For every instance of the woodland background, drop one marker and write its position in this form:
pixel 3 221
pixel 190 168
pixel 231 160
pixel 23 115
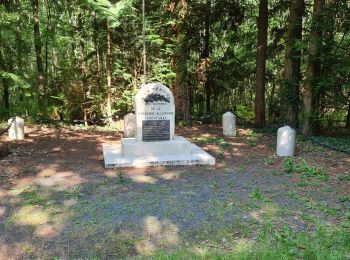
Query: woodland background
pixel 270 62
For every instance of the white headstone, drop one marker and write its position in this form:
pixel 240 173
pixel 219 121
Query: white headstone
pixel 129 125
pixel 16 131
pixel 285 141
pixel 155 143
pixel 229 124
pixel 155 113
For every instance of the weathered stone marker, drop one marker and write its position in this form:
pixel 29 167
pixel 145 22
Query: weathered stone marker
pixel 129 125
pixel 155 113
pixel 285 141
pixel 16 131
pixel 229 124
pixel 155 142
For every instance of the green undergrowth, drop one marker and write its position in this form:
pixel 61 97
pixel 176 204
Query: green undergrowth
pixel 335 143
pixel 301 166
pixel 219 141
pixel 324 242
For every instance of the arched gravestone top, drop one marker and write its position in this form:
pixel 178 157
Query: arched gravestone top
pixel 155 113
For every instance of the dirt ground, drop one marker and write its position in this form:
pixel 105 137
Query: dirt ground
pixel 57 200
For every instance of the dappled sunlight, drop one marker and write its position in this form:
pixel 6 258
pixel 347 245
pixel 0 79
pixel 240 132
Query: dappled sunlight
pixel 70 202
pixel 2 211
pixel 30 215
pixel 111 173
pixel 17 191
pixel 45 231
pixel 200 250
pixel 243 245
pixel 143 179
pixel 170 176
pixel 60 180
pixel 156 234
pixel 268 210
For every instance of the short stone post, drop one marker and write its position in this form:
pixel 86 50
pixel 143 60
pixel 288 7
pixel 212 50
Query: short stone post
pixel 229 124
pixel 129 125
pixel 285 141
pixel 16 131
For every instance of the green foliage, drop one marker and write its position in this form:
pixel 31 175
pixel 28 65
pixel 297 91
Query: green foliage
pixel 302 167
pixel 257 195
pixel 325 242
pixel 73 43
pixel 252 138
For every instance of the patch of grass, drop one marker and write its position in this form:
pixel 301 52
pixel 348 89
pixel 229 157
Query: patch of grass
pixel 275 172
pixel 302 167
pixel 257 195
pixel 33 198
pixel 252 138
pixel 289 165
pixel 343 177
pixel 222 144
pixel 327 209
pixel 230 184
pixel 324 242
pixel 292 194
pixel 343 198
pixel 220 154
pixel 269 160
pixel 340 144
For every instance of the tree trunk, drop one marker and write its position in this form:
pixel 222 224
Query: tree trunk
pixel 4 81
pixel 261 64
pixel 311 92
pixel 48 29
pixel 348 116
pixel 83 67
pixel 41 88
pixel 206 55
pixel 292 75
pixel 109 74
pixel 97 55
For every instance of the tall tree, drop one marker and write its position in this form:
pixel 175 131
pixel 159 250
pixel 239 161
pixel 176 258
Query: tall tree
pixel 311 91
pixel 261 64
pixel 97 55
pixel 347 125
pixel 206 53
pixel 41 88
pixel 292 75
pixel 109 73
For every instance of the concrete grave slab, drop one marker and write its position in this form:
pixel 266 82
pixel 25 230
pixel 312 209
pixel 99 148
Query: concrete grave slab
pixel 155 142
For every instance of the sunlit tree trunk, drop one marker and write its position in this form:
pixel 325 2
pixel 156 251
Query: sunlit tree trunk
pixel 41 88
pixel 261 64
pixel 109 74
pixel 311 92
pixel 292 75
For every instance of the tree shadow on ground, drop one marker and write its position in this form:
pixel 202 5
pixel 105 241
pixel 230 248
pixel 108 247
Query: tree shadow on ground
pixel 57 200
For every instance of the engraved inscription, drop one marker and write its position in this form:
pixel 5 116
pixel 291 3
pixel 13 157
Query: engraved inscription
pixel 155 130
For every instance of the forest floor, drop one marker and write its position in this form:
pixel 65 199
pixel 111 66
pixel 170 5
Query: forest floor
pixel 58 201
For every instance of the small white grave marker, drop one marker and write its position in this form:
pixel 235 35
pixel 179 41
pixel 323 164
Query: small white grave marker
pixel 229 124
pixel 129 125
pixel 16 131
pixel 285 141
